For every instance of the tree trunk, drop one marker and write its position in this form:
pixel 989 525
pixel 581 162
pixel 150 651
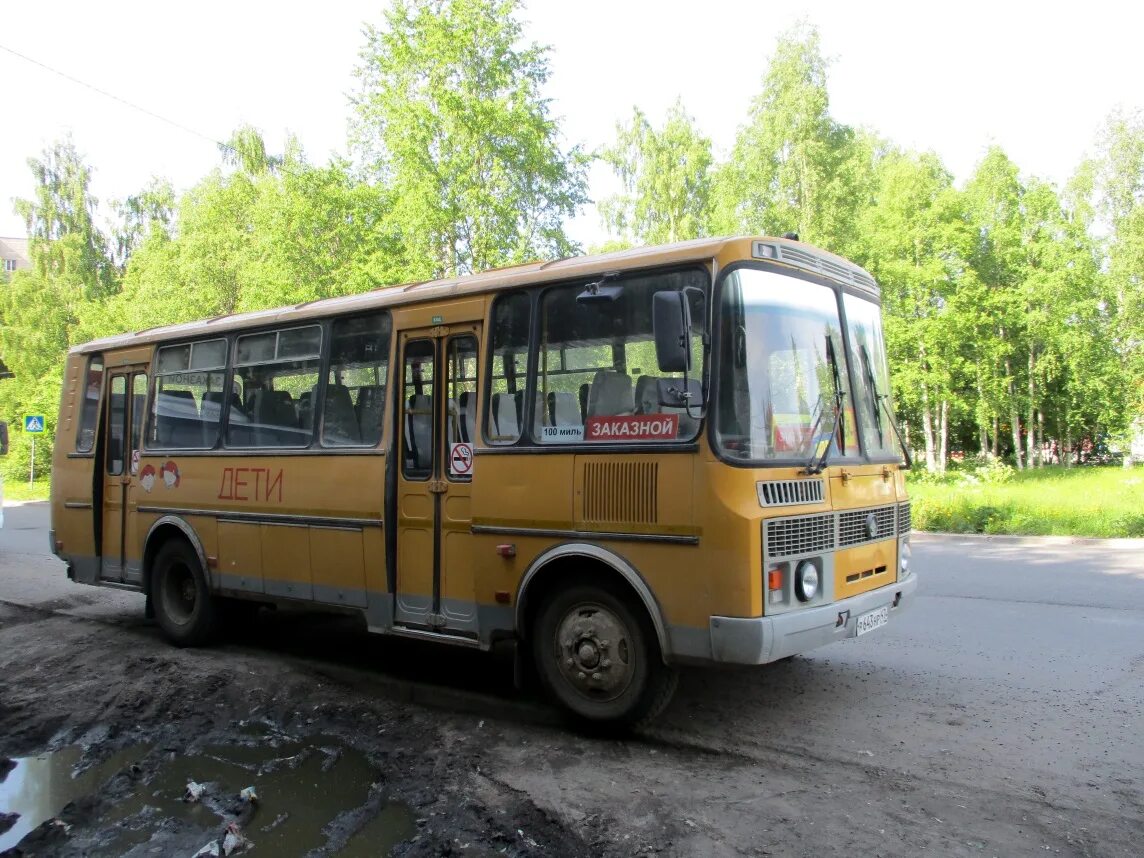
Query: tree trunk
pixel 943 450
pixel 996 436
pixel 1066 454
pixel 982 423
pixel 1030 428
pixel 1014 418
pixel 927 430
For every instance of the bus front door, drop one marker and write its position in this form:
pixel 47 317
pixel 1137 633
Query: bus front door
pixel 436 588
pixel 126 403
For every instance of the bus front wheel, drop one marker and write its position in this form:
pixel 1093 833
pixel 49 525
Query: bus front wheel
pixel 183 605
pixel 597 655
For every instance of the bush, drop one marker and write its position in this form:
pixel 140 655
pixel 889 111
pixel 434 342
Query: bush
pixel 15 465
pixel 995 472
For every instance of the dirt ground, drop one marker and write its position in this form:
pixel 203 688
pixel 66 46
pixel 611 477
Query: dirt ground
pixel 421 759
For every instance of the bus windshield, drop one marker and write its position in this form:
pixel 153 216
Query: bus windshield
pixel 784 370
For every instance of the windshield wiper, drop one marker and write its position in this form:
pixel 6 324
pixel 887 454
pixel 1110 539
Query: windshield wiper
pixel 821 450
pixel 839 394
pixel 880 406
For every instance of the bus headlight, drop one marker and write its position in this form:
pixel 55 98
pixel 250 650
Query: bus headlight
pixel 806 581
pixel 904 560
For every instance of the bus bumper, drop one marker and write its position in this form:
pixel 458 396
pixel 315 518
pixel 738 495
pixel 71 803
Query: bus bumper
pixel 758 640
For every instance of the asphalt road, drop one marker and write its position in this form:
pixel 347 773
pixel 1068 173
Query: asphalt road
pixel 1016 681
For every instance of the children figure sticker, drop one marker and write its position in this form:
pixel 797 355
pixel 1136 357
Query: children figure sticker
pixel 461 460
pixel 169 474
pixel 147 477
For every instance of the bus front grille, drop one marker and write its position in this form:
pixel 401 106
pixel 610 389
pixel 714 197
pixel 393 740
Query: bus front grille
pixel 904 523
pixel 808 534
pixel 854 526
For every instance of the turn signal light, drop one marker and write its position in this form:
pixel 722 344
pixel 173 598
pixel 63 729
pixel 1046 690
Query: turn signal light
pixel 506 550
pixel 775 579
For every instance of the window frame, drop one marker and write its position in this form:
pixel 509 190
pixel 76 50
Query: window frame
pixel 327 364
pixel 716 374
pixel 153 391
pixel 536 293
pixel 233 366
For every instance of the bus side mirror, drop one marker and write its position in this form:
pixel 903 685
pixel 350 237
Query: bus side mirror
pixel 671 319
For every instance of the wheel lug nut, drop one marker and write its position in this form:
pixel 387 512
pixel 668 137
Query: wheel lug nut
pixel 596 677
pixel 581 676
pixel 568 662
pixel 603 644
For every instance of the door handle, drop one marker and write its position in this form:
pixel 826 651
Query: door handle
pixel 438 487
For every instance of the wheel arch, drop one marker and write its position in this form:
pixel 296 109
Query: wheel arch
pixel 542 574
pixel 165 528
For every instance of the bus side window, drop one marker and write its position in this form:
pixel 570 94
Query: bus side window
pixel 89 413
pixel 275 368
pixel 511 321
pixel 187 400
pixel 354 408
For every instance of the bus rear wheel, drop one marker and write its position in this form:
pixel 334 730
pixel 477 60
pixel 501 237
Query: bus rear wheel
pixel 183 605
pixel 597 655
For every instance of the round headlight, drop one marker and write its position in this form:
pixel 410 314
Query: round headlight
pixel 806 581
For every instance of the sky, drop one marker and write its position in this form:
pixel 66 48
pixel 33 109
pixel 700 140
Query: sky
pixel 1037 78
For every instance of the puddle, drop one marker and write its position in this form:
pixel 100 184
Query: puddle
pixel 392 824
pixel 40 787
pixel 309 792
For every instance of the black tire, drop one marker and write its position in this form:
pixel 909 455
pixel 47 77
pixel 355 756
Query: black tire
pixel 184 607
pixel 597 655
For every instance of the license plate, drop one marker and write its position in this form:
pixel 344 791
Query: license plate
pixel 874 619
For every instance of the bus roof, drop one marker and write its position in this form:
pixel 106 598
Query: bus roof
pixel 791 252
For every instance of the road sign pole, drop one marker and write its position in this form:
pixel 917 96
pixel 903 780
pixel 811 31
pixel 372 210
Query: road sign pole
pixel 32 467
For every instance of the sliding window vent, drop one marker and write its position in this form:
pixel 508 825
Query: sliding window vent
pixel 789 492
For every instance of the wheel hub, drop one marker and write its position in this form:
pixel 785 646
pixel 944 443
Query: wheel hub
pixel 179 594
pixel 594 653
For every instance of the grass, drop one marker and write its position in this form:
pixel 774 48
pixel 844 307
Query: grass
pixel 1053 501
pixel 19 490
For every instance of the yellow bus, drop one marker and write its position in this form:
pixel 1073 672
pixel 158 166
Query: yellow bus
pixel 622 463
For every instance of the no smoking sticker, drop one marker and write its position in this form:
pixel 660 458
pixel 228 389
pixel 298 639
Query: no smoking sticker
pixel 461 460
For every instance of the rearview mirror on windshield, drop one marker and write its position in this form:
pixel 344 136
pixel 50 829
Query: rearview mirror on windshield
pixel 671 319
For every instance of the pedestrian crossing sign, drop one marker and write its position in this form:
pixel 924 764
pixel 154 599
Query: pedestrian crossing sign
pixel 34 423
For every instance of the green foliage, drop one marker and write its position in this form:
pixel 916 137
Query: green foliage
pixel 151 210
pixel 793 167
pixel 451 119
pixel 666 176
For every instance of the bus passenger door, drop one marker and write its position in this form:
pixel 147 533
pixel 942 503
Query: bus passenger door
pixel 122 435
pixel 436 586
